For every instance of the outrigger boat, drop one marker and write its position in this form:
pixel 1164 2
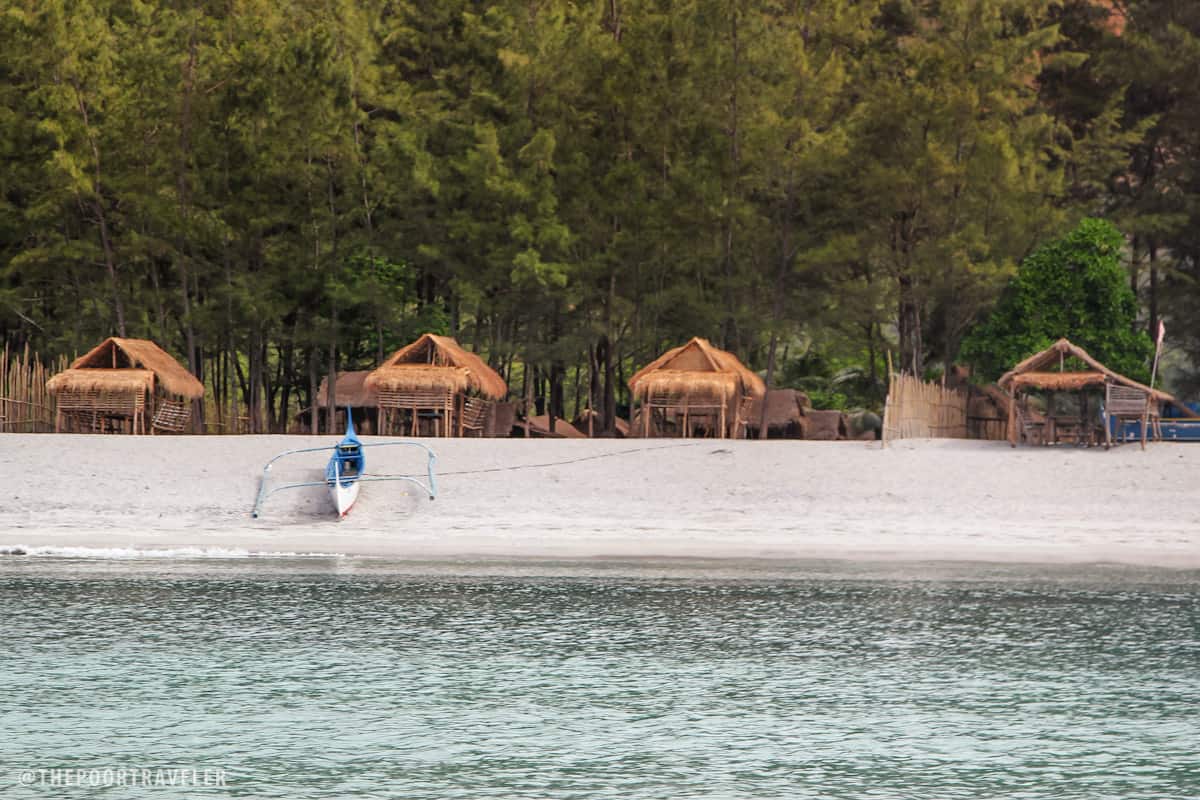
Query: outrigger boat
pixel 346 471
pixel 345 467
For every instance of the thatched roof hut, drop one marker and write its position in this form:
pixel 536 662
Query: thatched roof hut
pixel 123 365
pixel 351 390
pixel 785 417
pixel 694 368
pixel 431 379
pixel 694 379
pixel 1036 372
pixel 436 362
pixel 117 377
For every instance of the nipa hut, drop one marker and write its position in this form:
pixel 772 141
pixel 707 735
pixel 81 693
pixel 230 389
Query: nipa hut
pixel 785 414
pixel 351 393
pixel 434 380
pixel 1038 373
pixel 694 388
pixel 113 387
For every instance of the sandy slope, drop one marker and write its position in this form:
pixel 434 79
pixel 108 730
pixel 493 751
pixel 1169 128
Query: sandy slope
pixel 914 500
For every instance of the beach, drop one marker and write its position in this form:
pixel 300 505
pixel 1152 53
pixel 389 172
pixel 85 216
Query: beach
pixel 517 498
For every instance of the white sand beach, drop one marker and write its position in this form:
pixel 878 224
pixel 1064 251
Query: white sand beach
pixel 926 500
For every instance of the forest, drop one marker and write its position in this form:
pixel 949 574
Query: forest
pixel 277 191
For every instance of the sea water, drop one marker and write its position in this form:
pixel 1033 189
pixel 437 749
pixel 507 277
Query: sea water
pixel 307 678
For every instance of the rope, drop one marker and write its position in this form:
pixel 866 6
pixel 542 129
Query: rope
pixel 564 462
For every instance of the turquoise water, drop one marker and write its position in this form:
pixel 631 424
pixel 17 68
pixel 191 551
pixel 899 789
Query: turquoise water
pixel 340 678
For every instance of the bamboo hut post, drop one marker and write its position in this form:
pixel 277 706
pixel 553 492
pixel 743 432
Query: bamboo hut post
pixel 528 396
pixel 1146 419
pixel 1012 421
pixel 1107 420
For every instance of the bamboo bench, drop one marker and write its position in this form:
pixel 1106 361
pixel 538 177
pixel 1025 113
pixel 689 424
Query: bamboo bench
pixel 1126 404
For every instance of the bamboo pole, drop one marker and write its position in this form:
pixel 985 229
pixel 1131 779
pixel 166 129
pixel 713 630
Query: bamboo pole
pixel 25 404
pixel 915 409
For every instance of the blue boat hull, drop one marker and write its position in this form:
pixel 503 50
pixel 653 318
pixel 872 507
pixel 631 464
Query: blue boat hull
pixel 345 467
pixel 1173 430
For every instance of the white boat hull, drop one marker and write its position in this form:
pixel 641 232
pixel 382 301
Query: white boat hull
pixel 344 496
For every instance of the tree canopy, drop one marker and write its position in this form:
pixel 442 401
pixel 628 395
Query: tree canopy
pixel 1074 287
pixel 277 192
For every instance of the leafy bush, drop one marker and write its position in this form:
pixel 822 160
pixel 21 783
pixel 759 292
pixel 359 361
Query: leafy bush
pixel 1074 287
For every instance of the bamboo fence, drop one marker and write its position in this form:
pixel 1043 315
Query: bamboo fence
pixel 917 409
pixel 25 405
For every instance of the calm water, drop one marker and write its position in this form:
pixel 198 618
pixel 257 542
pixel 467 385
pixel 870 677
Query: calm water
pixel 340 678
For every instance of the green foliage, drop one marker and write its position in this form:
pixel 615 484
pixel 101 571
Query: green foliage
pixel 840 383
pixel 1074 287
pixel 274 191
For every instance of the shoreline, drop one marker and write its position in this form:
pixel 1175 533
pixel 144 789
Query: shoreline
pixel 942 501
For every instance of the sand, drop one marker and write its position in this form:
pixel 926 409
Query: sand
pixel 916 500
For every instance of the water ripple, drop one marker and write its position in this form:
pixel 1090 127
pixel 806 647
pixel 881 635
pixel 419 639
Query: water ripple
pixel 322 684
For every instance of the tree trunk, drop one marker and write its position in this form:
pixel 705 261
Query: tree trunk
pixel 314 403
pixel 1153 299
pixel 110 260
pixel 185 147
pixel 110 263
pixel 331 406
pixel 911 345
pixel 732 335
pixel 610 389
pixel 285 384
pixel 871 357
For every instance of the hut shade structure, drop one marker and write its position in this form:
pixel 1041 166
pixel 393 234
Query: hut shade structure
pixel 115 384
pixel 693 386
pixel 785 414
pixel 1038 373
pixel 540 426
pixel 351 393
pixel 351 390
pixel 429 379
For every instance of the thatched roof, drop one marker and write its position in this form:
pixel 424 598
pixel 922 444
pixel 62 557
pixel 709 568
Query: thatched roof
pixel 351 390
pixel 118 355
pixel 540 426
pixel 436 361
pixel 418 376
pixel 1033 373
pixel 697 368
pixel 120 381
pixel 1059 381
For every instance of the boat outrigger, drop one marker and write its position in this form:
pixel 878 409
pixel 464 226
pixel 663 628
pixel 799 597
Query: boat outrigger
pixel 346 471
